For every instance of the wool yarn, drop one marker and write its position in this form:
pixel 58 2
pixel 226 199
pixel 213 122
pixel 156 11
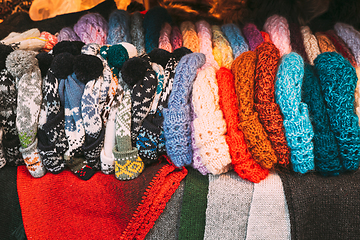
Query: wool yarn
pixel 209 124
pixel 67 34
pixel 164 39
pixel 237 42
pixel 177 114
pixel 326 152
pixel 310 44
pixel 268 57
pixel 204 33
pixel 221 48
pixel 252 35
pixel 297 42
pixel 338 81
pixel 119 27
pixel 255 135
pixel 152 23
pixel 278 29
pixel 325 45
pixel 137 32
pixel 92 28
pixel 176 38
pixel 298 128
pixel 24 67
pixel 190 38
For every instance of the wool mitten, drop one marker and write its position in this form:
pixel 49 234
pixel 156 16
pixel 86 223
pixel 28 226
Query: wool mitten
pixel 92 28
pixel 177 114
pixel 137 32
pixel 234 36
pixel 51 41
pixel 176 38
pixel 338 81
pixel 205 35
pixel 119 27
pixel 298 128
pixel 24 67
pixel 67 34
pixel 310 44
pixel 221 48
pixel 325 44
pixel 255 135
pixel 252 35
pixel 128 164
pixel 164 39
pixel 190 38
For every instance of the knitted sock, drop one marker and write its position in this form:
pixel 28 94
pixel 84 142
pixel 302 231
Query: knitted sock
pixel 228 206
pixel 234 36
pixel 296 41
pixel 310 44
pixel 67 34
pixel 92 28
pixel 119 27
pixel 269 210
pixel 190 38
pixel 269 112
pixel 221 48
pixel 164 39
pixel 252 35
pixel 2 156
pixel 128 164
pixel 298 128
pixel 241 159
pixel 326 152
pixel 338 81
pixel 177 115
pixel 279 32
pixel 325 45
pixel 24 67
pixel 176 38
pixel 255 134
pixel 137 32
pixel 205 40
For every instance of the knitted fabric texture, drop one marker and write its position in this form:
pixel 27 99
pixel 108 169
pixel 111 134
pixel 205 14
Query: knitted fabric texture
pixel 255 135
pixel 209 124
pixel 298 128
pixel 92 28
pixel 177 115
pixel 152 23
pixel 51 41
pixel 24 67
pixel 137 32
pixel 310 44
pixel 164 39
pixel 278 29
pixel 221 48
pixel 205 40
pixel 338 81
pixel 176 38
pixel 67 34
pixel 326 152
pixel 252 35
pixel 324 42
pixel 234 36
pixel 296 41
pixel 269 112
pixel 351 37
pixel 119 27
pixel 266 36
pixel 190 38
pixel 241 159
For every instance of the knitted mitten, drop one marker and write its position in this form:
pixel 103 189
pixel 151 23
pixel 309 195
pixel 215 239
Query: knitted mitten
pixel 255 135
pixel 67 34
pixel 279 32
pixel 177 115
pixel 176 38
pixel 341 47
pixel 298 128
pixel 310 44
pixel 269 112
pixel 24 67
pixel 252 35
pixel 119 27
pixel 209 124
pixel 234 36
pixel 205 35
pixel 296 41
pixel 190 38
pixel 128 164
pixel 51 41
pixel 325 44
pixel 326 152
pixel 92 28
pixel 241 159
pixel 137 32
pixel 338 81
pixel 221 48
pixel 164 39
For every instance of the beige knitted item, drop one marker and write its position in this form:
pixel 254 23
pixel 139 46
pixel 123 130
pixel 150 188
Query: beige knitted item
pixel 310 43
pixel 190 38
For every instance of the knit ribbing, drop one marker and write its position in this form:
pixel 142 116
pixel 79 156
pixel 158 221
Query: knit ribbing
pixel 252 35
pixel 278 29
pixel 164 39
pixel 255 135
pixel 310 44
pixel 326 151
pixel 190 38
pixel 221 48
pixel 137 32
pixel 241 159
pixel 298 128
pixel 234 36
pixel 296 41
pixel 338 81
pixel 269 112
pixel 324 42
pixel 176 38
pixel 119 27
pixel 205 35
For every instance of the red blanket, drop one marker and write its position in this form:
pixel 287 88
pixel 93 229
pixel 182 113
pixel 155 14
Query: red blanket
pixel 65 207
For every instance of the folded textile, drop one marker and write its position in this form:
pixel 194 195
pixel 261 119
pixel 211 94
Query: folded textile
pixel 62 207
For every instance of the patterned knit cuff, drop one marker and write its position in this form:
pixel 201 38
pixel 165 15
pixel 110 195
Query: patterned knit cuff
pixel 32 160
pixel 92 150
pixel 128 164
pixel 55 130
pixel 147 142
pixel 107 163
pixel 12 151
